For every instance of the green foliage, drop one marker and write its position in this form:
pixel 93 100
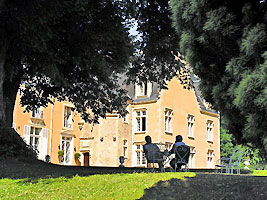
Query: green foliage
pixel 60 153
pixel 256 161
pixel 77 155
pixel 69 50
pixel 226 44
pixel 260 172
pixel 154 58
pixel 226 143
pixel 114 186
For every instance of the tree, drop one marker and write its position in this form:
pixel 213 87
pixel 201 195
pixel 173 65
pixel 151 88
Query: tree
pixel 226 143
pixel 226 44
pixel 75 51
pixel 154 58
pixel 70 50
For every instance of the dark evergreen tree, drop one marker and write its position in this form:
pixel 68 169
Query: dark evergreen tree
pixel 226 44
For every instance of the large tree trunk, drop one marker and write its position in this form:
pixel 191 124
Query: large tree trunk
pixel 2 64
pixel 11 144
pixel 2 77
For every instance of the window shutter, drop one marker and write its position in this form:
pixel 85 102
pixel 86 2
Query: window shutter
pixel 44 143
pixel 27 134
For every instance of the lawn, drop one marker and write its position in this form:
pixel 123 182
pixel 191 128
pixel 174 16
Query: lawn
pixel 108 186
pixel 260 172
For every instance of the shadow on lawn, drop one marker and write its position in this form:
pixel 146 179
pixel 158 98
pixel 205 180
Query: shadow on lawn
pixel 210 186
pixel 31 170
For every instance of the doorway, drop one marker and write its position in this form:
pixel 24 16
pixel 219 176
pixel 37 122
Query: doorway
pixel 86 159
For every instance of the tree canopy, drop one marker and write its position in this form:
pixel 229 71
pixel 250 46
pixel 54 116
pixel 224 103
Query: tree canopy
pixel 225 42
pixel 75 50
pixel 65 49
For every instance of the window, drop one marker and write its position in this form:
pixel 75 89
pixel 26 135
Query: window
pixel 37 113
pixel 143 89
pixel 191 161
pixel 68 117
pixel 210 126
pixel 35 138
pixel 168 120
pixel 168 146
pixel 66 143
pixel 190 125
pixel 140 156
pixel 210 159
pixel 141 121
pixel 125 147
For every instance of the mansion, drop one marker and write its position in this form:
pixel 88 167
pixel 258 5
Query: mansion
pixel 162 114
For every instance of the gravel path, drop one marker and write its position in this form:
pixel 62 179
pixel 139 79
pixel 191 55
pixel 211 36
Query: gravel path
pixel 210 186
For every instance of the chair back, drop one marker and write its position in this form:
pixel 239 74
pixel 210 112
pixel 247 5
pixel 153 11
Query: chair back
pixel 154 156
pixel 236 156
pixel 182 154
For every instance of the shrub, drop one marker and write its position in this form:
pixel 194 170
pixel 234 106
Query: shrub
pixel 60 153
pixel 77 155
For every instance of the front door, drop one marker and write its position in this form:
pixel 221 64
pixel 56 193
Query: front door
pixel 86 159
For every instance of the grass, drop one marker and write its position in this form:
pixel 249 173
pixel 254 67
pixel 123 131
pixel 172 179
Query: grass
pixel 109 186
pixel 260 172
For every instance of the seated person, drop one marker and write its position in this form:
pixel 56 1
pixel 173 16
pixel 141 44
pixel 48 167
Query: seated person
pixel 150 147
pixel 178 142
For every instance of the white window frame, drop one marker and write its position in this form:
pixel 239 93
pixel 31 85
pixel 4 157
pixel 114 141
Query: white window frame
pixel 192 157
pixel 168 113
pixel 68 121
pixel 210 159
pixel 37 113
pixel 125 148
pixel 63 159
pixel 33 138
pixel 190 126
pixel 141 162
pixel 209 130
pixel 143 89
pixel 139 117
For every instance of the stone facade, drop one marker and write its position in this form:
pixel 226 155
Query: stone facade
pixel 162 114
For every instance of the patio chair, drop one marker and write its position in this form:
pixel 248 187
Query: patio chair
pixel 155 157
pixel 235 161
pixel 222 163
pixel 182 154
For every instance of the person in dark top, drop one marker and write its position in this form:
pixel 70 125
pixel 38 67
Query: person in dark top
pixel 151 147
pixel 178 142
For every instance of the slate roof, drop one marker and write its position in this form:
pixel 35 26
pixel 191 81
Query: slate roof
pixel 155 93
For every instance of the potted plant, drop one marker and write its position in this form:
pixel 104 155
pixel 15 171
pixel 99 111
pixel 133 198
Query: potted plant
pixel 77 155
pixel 60 153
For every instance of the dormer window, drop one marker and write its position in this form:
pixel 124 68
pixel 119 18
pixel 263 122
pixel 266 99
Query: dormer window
pixel 143 89
pixel 37 113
